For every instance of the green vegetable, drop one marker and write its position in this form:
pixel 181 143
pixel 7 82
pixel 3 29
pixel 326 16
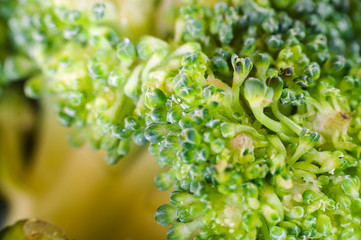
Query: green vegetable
pixel 32 229
pixel 253 109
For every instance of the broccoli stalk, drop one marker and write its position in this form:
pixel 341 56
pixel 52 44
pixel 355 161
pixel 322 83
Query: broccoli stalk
pixel 259 96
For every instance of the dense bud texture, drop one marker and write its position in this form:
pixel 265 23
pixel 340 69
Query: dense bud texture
pixel 253 110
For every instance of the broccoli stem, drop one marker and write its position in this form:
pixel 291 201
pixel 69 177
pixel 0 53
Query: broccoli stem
pixel 237 82
pixel 132 86
pixel 288 122
pixel 268 122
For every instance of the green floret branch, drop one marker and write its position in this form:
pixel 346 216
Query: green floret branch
pixel 252 109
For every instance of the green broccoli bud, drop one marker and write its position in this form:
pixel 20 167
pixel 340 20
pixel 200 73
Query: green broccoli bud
pixel 262 62
pixel 108 143
pixel 274 42
pixel 155 98
pixel 277 233
pixel 132 86
pixel 276 83
pixel 148 45
pixel 211 126
pixel 32 227
pixel 217 145
pixel 126 52
pixel 351 186
pixel 112 158
pixel 335 64
pixel 242 67
pixel 324 225
pixel 290 97
pixel 163 181
pixel 186 48
pixel 182 231
pixel 271 215
pixel 181 198
pixel 32 87
pixel 258 169
pixel 307 141
pixel 139 138
pixel 154 133
pixel 277 163
pixel 118 77
pixel 309 196
pixel 123 147
pixel 258 97
pixel 296 212
pixel 166 214
pixel 98 11
pixel 248 47
pixel 323 162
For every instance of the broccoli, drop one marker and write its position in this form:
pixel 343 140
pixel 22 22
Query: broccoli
pixel 252 108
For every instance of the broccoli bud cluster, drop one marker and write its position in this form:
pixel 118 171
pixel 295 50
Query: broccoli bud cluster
pixel 253 110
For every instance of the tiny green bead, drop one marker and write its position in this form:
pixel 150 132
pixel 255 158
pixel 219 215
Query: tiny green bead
pixel 154 149
pixel 120 132
pixel 166 214
pixel 64 119
pixel 174 115
pixel 277 233
pixel 187 156
pixel 190 137
pixel 196 209
pixel 349 187
pixel 147 45
pixel 324 180
pixel 158 115
pixel 33 87
pixel 270 214
pixel 138 138
pixel 198 188
pixel 182 231
pixel 99 11
pixel 323 224
pixel 162 181
pixel 217 146
pixel 308 196
pixel 296 212
pixel 274 42
pixel 126 52
pixel 227 130
pixel 117 77
pixel 154 133
pixel 202 153
pixel 155 98
pixel 250 190
pixel 112 158
pixel 123 147
pixel 132 123
pixel 108 143
pixel 208 91
pixel 347 233
pixel 181 198
pixel 164 161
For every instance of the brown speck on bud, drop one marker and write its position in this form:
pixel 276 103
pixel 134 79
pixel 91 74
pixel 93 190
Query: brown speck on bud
pixel 242 142
pixel 345 116
pixel 286 72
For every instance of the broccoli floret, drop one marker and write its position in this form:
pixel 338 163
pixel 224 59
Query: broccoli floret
pixel 253 108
